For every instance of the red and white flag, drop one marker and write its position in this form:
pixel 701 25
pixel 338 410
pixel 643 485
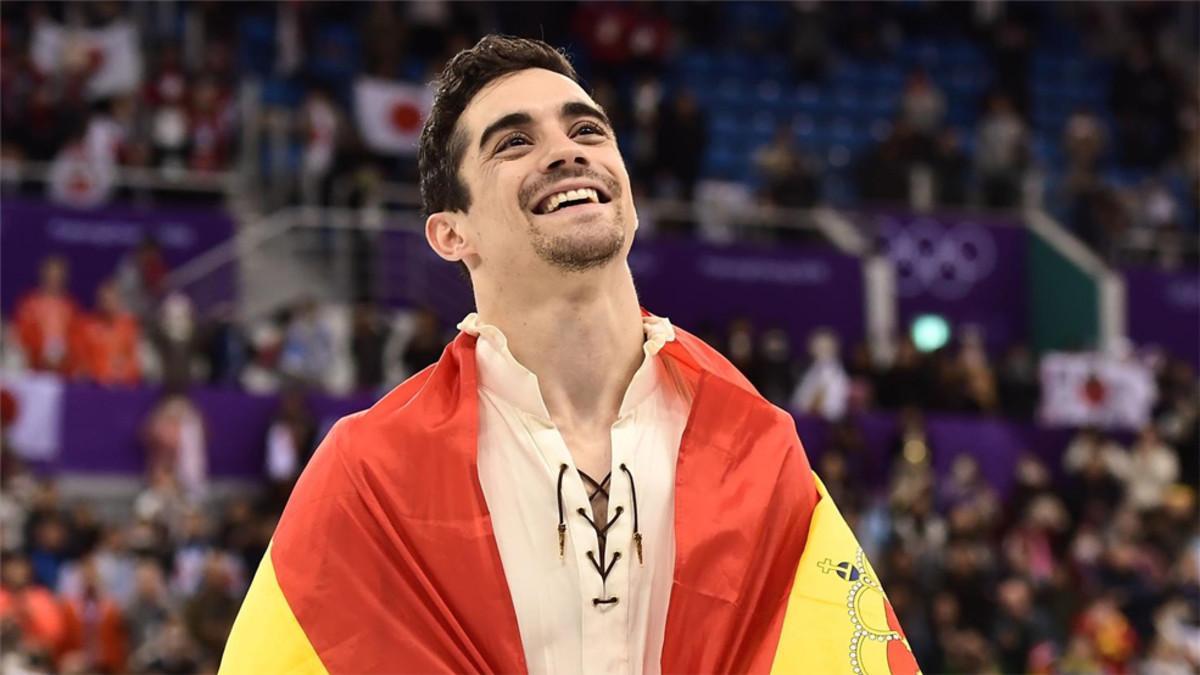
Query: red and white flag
pixel 1090 389
pixel 32 405
pixel 390 114
pixel 110 56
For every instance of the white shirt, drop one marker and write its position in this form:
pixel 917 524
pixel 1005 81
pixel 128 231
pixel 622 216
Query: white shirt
pixel 521 453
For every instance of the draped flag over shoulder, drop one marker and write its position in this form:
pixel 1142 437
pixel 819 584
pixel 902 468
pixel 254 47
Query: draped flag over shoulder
pixel 385 560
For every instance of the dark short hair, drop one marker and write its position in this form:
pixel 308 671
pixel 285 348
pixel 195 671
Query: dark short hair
pixel 442 145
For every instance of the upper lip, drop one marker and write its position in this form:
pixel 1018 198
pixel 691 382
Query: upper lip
pixel 566 186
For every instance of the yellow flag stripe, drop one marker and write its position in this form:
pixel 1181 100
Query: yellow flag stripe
pixel 266 637
pixel 835 621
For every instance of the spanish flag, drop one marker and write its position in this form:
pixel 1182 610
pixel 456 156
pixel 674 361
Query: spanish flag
pixel 385 561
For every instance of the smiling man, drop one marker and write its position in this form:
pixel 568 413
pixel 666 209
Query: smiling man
pixel 577 486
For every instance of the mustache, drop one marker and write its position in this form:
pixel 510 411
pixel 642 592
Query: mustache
pixel 531 191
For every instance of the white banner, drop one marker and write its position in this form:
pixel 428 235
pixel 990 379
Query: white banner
pixel 1097 390
pixel 36 430
pixel 390 114
pixel 111 55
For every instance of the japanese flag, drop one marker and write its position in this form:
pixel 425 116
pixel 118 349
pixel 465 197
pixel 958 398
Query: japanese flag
pixel 32 408
pixel 390 114
pixel 110 56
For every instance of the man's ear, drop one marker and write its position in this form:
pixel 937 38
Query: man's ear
pixel 443 231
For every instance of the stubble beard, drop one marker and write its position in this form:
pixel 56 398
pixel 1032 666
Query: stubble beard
pixel 601 241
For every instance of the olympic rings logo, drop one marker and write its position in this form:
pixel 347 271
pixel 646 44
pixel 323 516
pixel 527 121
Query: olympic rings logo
pixel 945 261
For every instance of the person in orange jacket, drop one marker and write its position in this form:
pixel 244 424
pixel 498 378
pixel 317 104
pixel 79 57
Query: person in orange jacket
pixel 45 318
pixel 95 626
pixel 107 340
pixel 31 608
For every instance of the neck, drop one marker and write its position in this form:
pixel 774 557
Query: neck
pixel 583 341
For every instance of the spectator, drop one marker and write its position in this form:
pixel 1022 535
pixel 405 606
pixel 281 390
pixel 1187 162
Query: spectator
pixel 223 346
pixel 45 319
pixel 307 346
pixel 210 612
pixel 1035 545
pixel 176 445
pixel 290 442
pixel 905 382
pixel 161 502
pixel 1000 153
pixel 1144 101
pixel 261 375
pixel 739 346
pixel 150 608
pixel 1018 628
pixel 882 174
pixel 210 128
pixel 920 531
pixel 978 380
pixel 95 624
pixel 322 127
pixel 1084 141
pixel 170 651
pixel 789 178
pixel 113 562
pixel 773 376
pixel 426 344
pixel 141 278
pixel 825 388
pixel 30 608
pixel 49 549
pixel 950 168
pixel 1147 470
pixel 109 340
pixel 175 341
pixel 1108 634
pixel 1017 384
pixel 369 336
pixel 682 142
pixel 923 106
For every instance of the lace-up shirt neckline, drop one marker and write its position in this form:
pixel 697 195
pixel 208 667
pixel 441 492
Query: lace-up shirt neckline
pixel 585 600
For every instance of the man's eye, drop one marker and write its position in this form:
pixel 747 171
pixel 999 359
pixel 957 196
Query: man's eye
pixel 589 128
pixel 512 141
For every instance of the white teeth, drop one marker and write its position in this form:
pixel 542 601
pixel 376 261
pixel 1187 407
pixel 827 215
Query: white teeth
pixel 571 195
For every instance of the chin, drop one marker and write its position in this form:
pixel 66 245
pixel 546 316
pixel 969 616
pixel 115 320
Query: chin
pixel 580 252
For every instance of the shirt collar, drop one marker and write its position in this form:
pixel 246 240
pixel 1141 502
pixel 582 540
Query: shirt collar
pixel 500 372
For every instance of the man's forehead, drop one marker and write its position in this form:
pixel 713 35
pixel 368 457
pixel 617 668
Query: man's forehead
pixel 533 90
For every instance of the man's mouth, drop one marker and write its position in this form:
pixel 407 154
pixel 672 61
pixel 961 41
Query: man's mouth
pixel 566 199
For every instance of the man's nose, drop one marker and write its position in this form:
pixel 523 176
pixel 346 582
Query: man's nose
pixel 565 153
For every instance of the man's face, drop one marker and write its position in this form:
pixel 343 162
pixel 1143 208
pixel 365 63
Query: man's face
pixel 547 183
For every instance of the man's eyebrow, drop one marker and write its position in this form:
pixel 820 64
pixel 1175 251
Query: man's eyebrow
pixel 574 109
pixel 509 121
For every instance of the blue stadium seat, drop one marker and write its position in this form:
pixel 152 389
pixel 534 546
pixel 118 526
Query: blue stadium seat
pixel 277 91
pixel 256 44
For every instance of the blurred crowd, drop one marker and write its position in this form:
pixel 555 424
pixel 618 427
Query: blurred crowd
pixel 1087 567
pixel 137 333
pixel 155 592
pixel 1121 171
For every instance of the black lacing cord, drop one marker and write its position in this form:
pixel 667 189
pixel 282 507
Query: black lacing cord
pixel 562 521
pixel 601 532
pixel 637 536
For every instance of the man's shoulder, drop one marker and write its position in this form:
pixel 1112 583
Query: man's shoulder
pixel 422 422
pixel 700 357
